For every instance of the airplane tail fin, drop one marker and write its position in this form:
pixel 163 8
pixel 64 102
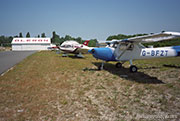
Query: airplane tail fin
pixel 86 42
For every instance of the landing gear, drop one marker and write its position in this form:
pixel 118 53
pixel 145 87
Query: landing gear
pixel 79 55
pixel 133 69
pixel 118 65
pixel 101 67
pixel 65 55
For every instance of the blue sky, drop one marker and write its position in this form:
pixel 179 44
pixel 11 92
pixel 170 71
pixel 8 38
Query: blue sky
pixel 88 18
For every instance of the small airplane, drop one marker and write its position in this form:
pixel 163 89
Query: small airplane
pixel 131 49
pixel 74 47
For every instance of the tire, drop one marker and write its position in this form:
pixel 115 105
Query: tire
pixel 118 65
pixel 133 69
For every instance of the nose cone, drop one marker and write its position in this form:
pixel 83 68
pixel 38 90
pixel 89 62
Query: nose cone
pixel 105 54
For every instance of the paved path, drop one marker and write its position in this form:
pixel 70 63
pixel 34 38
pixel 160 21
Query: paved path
pixel 10 58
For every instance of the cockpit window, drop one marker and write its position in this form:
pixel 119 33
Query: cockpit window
pixel 114 45
pixel 66 46
pixel 123 46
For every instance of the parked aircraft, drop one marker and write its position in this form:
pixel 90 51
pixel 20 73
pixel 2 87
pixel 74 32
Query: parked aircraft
pixel 131 49
pixel 74 47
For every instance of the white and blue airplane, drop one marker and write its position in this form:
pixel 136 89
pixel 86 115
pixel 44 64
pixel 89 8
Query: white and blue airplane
pixel 131 49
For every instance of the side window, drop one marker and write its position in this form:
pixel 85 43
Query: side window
pixel 131 47
pixel 124 46
pixel 108 44
pixel 68 46
pixel 115 45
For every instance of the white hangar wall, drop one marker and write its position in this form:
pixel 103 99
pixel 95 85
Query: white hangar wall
pixel 25 44
pixel 19 47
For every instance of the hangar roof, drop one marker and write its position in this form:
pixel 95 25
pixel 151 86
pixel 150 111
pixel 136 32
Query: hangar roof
pixel 31 41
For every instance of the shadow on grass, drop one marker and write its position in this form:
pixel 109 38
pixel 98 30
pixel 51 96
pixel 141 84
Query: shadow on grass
pixel 72 56
pixel 149 67
pixel 171 66
pixel 125 73
pixel 75 57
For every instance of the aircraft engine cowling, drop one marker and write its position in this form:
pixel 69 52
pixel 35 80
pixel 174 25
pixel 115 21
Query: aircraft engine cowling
pixel 105 54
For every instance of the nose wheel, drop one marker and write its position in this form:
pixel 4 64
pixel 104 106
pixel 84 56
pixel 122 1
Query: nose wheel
pixel 101 67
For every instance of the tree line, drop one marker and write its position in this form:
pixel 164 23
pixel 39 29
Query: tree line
pixel 56 39
pixel 28 35
pixel 59 40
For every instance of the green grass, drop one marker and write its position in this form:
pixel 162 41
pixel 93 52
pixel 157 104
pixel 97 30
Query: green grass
pixel 46 86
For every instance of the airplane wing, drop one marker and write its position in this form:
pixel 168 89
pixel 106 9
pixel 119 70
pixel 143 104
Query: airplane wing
pixel 83 49
pixel 149 38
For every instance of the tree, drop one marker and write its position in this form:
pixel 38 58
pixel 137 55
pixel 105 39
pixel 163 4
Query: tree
pixel 20 34
pixel 68 37
pixel 38 36
pixel 55 38
pixel 79 40
pixel 43 35
pixel 5 41
pixel 93 43
pixel 28 34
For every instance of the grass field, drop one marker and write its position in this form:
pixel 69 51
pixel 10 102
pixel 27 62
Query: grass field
pixel 46 86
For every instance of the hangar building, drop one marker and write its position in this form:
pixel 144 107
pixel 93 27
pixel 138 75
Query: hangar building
pixel 23 44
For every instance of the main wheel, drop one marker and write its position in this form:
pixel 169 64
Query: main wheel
pixel 133 69
pixel 118 65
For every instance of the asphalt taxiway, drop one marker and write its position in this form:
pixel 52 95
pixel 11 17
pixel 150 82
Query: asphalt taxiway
pixel 10 58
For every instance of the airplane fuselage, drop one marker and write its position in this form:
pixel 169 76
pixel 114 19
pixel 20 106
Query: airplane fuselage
pixel 137 52
pixel 74 47
pixel 69 50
